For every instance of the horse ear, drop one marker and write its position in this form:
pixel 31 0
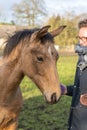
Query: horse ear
pixel 40 33
pixel 43 31
pixel 57 31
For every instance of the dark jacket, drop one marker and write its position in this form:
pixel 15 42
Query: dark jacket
pixel 78 112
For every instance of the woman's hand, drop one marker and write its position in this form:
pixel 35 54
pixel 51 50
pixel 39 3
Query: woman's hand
pixel 63 89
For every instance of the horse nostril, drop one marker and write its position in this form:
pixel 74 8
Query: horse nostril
pixel 53 98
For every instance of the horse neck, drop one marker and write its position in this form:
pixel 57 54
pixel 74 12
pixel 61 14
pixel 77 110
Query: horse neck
pixel 12 74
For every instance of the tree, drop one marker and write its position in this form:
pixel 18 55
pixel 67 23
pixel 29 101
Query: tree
pixel 68 36
pixel 29 11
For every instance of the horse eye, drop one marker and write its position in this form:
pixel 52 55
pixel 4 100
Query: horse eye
pixel 40 59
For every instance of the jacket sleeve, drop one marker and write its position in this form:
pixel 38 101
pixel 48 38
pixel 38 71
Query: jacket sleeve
pixel 70 90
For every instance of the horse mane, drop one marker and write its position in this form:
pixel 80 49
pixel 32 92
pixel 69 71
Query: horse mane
pixel 15 39
pixel 19 36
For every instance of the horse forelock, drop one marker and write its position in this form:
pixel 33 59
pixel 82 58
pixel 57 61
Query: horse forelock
pixel 47 37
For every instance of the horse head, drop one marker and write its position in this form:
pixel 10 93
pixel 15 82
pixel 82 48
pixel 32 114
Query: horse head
pixel 39 58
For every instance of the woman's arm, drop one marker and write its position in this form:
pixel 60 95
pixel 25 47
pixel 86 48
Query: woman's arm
pixel 66 90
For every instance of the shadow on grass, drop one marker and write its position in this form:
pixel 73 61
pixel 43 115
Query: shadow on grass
pixel 38 115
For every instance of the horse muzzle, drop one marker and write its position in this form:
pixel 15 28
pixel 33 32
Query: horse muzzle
pixel 52 99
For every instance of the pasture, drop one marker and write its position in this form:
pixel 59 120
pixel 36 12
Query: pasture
pixel 36 114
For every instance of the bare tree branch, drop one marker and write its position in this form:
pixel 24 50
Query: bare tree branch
pixel 28 12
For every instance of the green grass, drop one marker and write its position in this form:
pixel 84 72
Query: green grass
pixel 36 113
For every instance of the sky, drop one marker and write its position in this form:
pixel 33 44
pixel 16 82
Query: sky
pixel 52 7
pixel 62 6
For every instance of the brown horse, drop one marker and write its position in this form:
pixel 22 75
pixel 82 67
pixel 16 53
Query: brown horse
pixel 31 53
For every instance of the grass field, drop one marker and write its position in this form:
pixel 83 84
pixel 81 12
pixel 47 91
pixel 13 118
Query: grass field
pixel 38 115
